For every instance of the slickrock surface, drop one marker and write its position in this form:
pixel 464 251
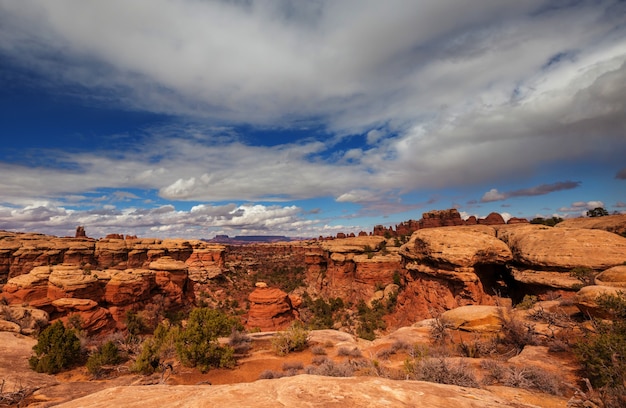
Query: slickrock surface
pixel 457 247
pixel 548 248
pixel 611 223
pixel 298 391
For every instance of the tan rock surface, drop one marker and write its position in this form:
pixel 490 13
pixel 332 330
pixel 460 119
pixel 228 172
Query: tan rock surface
pixel 611 223
pixel 558 280
pixel 298 391
pixel 15 350
pixel 476 318
pixel 354 244
pixel 457 246
pixel 551 248
pixel 615 276
pixel 586 298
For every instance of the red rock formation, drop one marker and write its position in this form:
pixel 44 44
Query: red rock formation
pixel 270 309
pixel 492 219
pixel 80 232
pixel 516 220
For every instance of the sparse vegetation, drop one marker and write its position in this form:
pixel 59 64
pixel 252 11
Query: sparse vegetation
pixel 57 348
pixel 440 370
pixel 551 222
pixel 602 352
pixel 107 354
pixel 295 338
pixel 197 344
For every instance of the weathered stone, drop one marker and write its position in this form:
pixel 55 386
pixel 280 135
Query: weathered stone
pixel 615 276
pixel 270 309
pixel 456 246
pixel 476 318
pixel 301 391
pixel 587 298
pixel 611 223
pixel 562 249
pixel 557 280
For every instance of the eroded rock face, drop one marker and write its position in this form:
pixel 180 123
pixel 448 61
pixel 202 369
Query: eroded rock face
pixel 270 309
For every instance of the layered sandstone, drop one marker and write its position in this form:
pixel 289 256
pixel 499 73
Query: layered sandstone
pixel 611 223
pixel 270 309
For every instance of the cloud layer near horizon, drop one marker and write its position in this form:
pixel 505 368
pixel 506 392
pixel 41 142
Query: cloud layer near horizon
pixel 442 94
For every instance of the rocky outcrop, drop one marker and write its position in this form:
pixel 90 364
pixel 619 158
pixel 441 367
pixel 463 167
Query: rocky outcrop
pixel 475 318
pixel 21 252
pixel 270 309
pixel 615 276
pixel 587 299
pixel 611 223
pixel 562 249
pixel 437 219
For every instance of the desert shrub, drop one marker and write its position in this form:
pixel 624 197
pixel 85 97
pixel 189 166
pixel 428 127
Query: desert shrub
pixel 440 370
pixel 295 338
pixel 602 352
pixel 331 369
pixel 293 365
pixel 57 348
pixel 240 341
pixel 477 347
pixel 527 302
pixel 515 333
pixel 440 331
pixel 349 352
pixel 317 360
pixel 197 344
pixel 585 275
pixel 107 354
pixel 318 350
pixel 532 378
pixel 270 374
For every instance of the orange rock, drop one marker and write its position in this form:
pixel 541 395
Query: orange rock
pixel 270 309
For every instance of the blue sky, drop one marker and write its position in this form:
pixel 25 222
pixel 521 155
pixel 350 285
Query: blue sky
pixel 194 118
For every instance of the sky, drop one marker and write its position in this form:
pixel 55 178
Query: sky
pixel 192 118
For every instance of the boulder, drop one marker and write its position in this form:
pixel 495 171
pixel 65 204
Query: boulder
pixel 475 318
pixel 615 276
pixel 562 249
pixel 587 298
pixel 456 246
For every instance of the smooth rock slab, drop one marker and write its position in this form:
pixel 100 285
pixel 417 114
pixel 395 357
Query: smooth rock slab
pixel 298 391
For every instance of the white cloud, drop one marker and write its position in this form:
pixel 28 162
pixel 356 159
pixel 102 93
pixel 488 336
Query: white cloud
pixel 493 195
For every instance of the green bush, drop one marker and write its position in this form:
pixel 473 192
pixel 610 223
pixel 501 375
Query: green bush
pixel 156 349
pixel 197 343
pixel 370 319
pixel 57 348
pixel 295 338
pixel 602 353
pixel 107 354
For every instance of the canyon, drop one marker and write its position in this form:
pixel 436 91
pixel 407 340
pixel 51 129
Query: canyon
pixel 429 267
